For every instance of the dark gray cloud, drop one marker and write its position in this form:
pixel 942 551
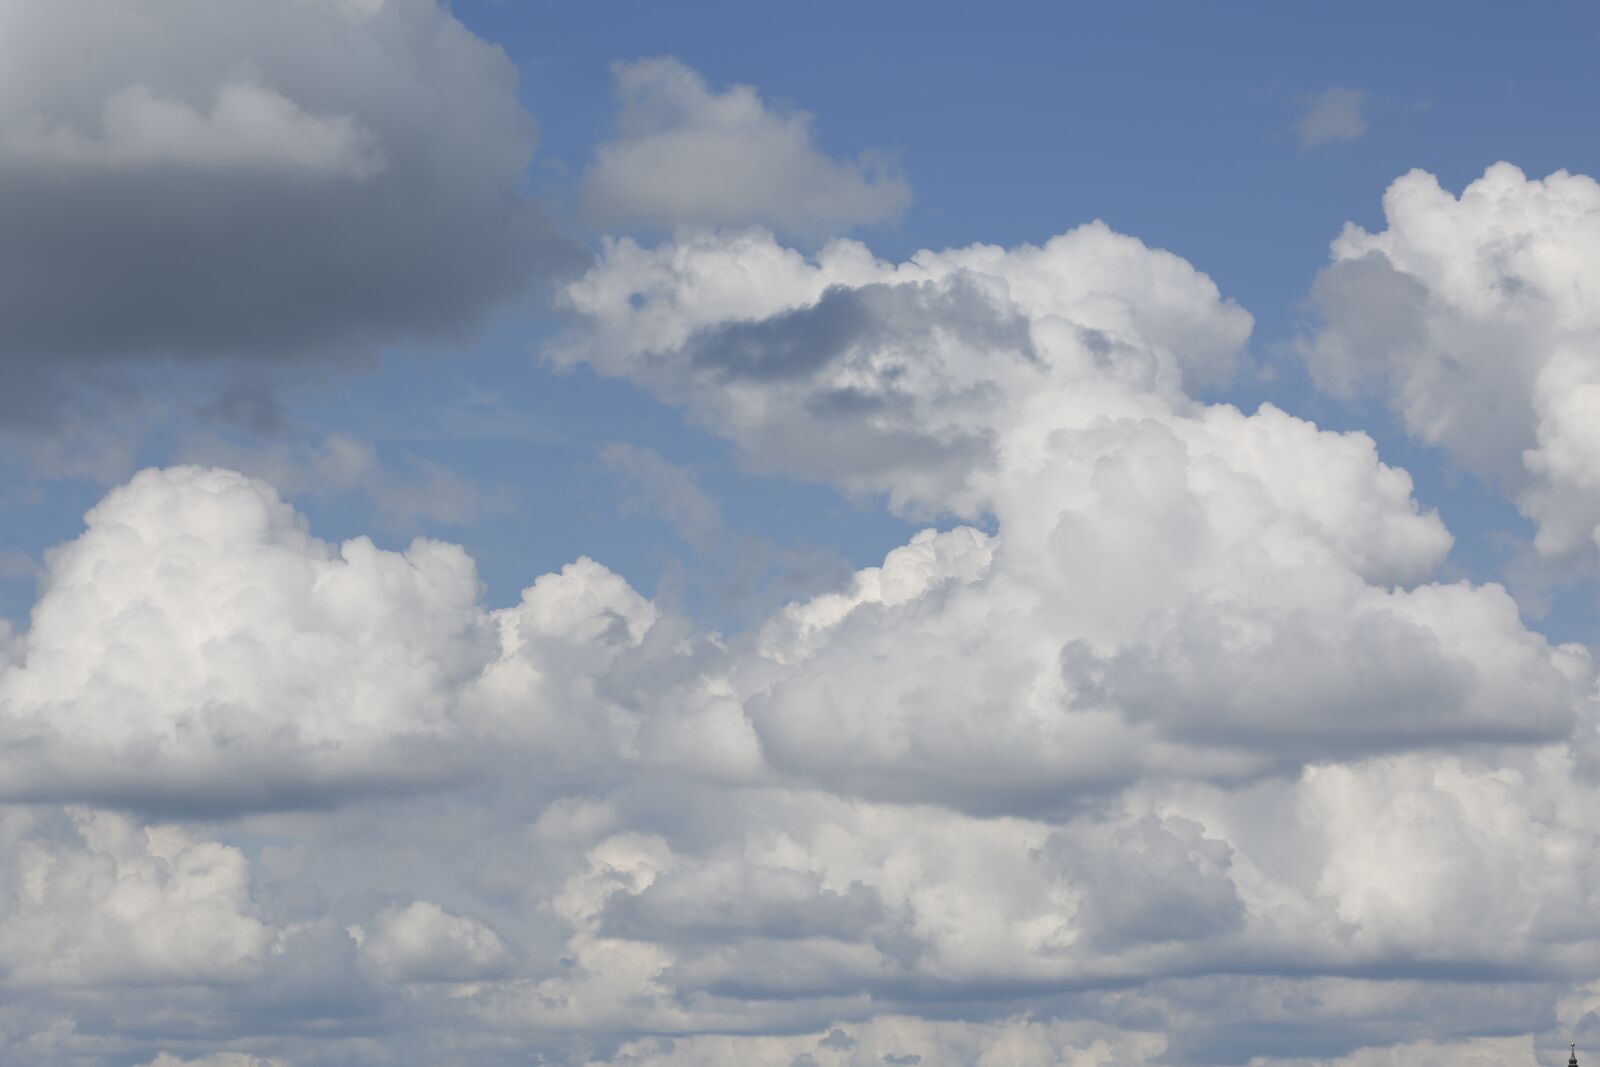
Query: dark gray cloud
pixel 875 429
pixel 797 344
pixel 257 182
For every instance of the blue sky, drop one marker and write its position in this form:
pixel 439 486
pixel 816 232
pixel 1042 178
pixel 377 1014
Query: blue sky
pixel 590 559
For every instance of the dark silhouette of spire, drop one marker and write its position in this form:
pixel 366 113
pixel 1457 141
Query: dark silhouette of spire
pixel 1573 1062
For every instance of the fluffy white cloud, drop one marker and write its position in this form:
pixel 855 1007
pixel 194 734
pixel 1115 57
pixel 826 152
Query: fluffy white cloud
pixel 197 640
pixel 1197 662
pixel 1172 585
pixel 687 155
pixel 1476 315
pixel 422 942
pixel 93 899
pixel 1172 620
pixel 196 647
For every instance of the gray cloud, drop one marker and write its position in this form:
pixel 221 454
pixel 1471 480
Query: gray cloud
pixel 1157 880
pixel 270 183
pixel 687 155
pixel 837 1039
pixel 1300 690
pixel 763 902
pixel 798 344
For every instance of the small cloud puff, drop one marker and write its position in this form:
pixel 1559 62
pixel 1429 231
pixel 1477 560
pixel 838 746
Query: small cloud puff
pixel 688 155
pixel 422 942
pixel 1333 115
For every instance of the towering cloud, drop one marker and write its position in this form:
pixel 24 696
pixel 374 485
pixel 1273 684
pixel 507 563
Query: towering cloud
pixel 1172 585
pixel 1477 315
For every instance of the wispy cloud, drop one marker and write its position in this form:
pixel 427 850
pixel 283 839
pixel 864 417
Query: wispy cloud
pixel 1332 115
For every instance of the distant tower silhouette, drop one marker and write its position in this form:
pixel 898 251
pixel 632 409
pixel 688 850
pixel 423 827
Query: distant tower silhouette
pixel 1573 1062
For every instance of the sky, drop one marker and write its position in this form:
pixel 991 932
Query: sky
pixel 715 535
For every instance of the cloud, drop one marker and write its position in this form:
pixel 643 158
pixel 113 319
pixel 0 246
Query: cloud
pixel 1075 753
pixel 687 156
pixel 1152 881
pixel 727 902
pixel 244 182
pixel 248 127
pixel 890 1040
pixel 1187 755
pixel 1483 1052
pixel 423 943
pixel 1333 115
pixel 197 647
pixel 1170 583
pixel 686 887
pixel 890 378
pixel 102 901
pixel 1475 316
pixel 272 642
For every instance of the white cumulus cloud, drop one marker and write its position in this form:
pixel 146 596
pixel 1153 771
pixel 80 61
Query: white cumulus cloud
pixel 1476 316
